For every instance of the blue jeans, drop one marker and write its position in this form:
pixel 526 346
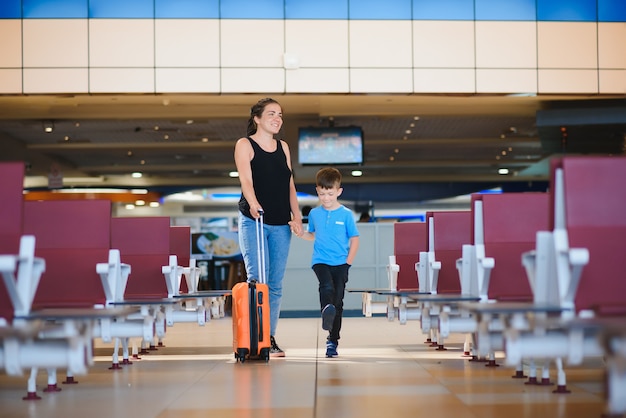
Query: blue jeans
pixel 277 240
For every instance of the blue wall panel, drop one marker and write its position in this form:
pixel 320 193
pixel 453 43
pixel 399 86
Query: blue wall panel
pixel 186 9
pixel 612 10
pixel 121 9
pixel 443 9
pixel 496 10
pixel 252 9
pixel 319 9
pixel 54 9
pixel 567 10
pixel 509 10
pixel 377 10
pixel 10 9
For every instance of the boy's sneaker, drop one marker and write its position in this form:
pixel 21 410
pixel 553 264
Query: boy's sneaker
pixel 328 317
pixel 275 350
pixel 331 348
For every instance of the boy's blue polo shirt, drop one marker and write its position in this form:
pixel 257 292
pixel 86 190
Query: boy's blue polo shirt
pixel 333 230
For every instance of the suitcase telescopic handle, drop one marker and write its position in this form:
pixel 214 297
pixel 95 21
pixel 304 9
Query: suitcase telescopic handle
pixel 260 246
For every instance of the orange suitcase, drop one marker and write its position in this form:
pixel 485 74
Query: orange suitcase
pixel 251 321
pixel 251 312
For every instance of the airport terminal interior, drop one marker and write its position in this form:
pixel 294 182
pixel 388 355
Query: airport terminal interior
pixel 448 108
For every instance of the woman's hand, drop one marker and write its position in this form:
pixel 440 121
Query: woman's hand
pixel 296 228
pixel 256 211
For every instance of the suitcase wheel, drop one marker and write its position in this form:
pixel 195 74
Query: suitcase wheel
pixel 241 354
pixel 265 354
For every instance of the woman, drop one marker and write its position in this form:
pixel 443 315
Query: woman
pixel 264 166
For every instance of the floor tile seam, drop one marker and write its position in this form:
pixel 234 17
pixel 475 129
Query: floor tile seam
pixel 317 366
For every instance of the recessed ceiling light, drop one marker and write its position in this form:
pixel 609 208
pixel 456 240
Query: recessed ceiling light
pixel 233 174
pixel 503 171
pixel 137 175
pixel 356 173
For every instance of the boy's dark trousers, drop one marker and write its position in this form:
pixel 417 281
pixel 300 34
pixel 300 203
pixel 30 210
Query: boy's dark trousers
pixel 332 286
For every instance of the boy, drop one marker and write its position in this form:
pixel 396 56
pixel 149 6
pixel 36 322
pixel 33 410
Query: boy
pixel 336 240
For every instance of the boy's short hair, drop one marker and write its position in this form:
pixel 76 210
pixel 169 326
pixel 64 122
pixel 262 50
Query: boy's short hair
pixel 328 177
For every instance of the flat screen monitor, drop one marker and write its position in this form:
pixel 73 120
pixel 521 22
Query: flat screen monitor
pixel 330 146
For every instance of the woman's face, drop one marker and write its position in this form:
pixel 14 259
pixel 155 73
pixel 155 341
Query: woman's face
pixel 271 119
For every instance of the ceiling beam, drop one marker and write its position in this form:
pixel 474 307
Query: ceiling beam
pixel 181 145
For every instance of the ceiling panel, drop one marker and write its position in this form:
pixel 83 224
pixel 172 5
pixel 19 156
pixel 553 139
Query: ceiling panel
pixel 187 141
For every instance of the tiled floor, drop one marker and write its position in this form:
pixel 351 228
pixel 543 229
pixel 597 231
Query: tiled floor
pixel 384 369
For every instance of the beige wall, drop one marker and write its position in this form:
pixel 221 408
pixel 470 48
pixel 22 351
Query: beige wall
pixel 310 56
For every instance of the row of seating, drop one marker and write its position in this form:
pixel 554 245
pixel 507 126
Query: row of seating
pixel 576 269
pixel 536 275
pixel 73 273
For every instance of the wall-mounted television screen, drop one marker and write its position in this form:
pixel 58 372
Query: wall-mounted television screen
pixel 330 146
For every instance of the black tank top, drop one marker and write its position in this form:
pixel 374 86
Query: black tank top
pixel 270 177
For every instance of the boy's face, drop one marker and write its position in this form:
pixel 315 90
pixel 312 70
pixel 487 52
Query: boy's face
pixel 328 197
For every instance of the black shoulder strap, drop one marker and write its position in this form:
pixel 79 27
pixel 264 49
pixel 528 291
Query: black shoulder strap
pixel 253 143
